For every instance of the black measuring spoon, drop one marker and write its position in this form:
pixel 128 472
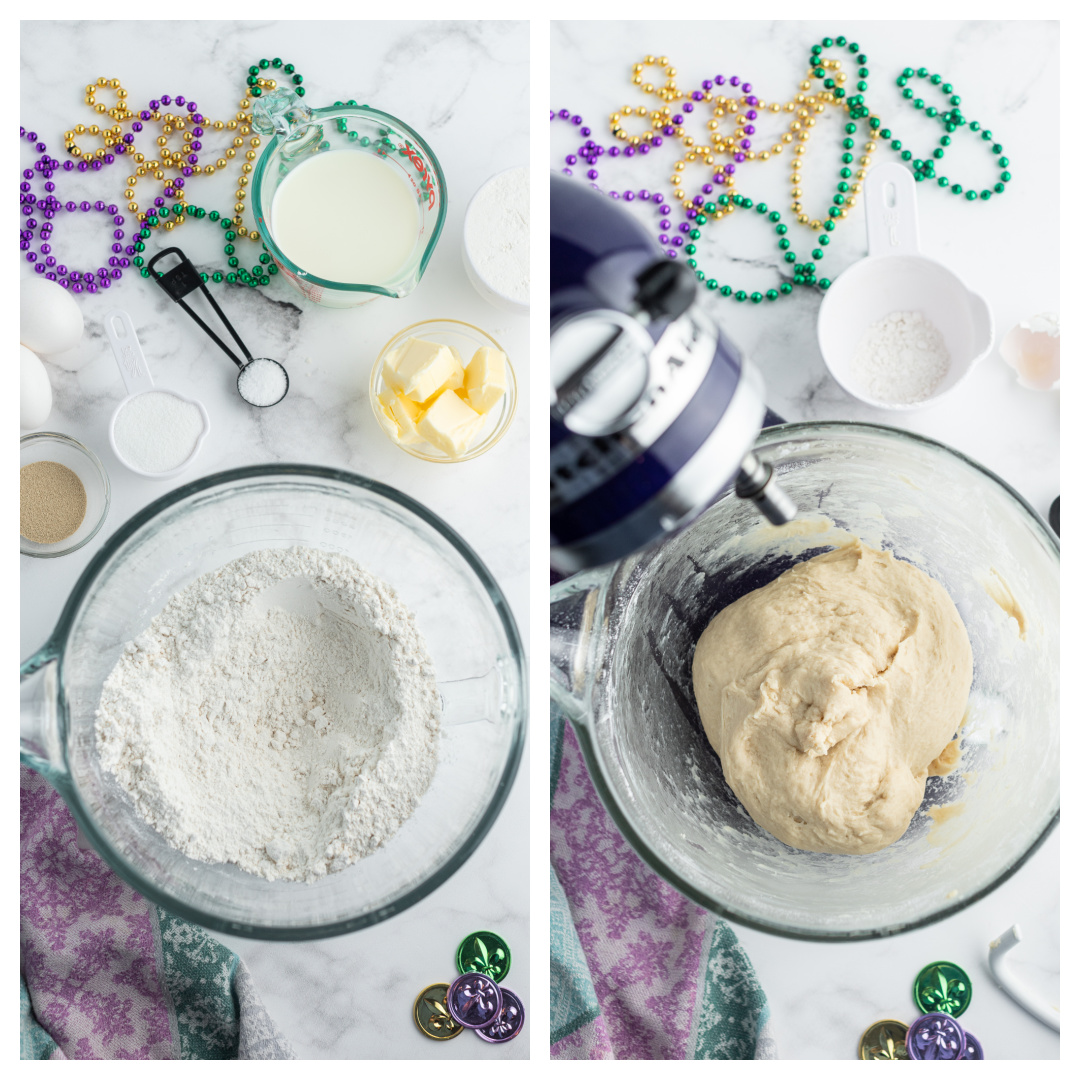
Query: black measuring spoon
pixel 262 382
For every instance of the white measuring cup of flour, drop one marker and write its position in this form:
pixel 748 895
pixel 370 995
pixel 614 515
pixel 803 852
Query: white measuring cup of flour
pixel 896 276
pixel 137 381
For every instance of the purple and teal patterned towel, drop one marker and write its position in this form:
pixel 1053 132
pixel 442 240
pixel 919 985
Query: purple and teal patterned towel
pixel 637 970
pixel 106 974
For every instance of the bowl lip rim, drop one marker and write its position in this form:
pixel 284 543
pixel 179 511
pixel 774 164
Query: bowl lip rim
pixel 582 723
pixel 54 649
pixel 30 437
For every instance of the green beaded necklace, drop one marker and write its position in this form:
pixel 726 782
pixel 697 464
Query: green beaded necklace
pixel 260 273
pixel 256 70
pixel 952 120
pixel 924 168
pixel 803 273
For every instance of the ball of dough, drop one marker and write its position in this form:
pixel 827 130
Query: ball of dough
pixel 830 692
pixel 35 390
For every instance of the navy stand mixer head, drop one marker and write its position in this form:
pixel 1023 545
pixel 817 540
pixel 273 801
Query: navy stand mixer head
pixel 653 410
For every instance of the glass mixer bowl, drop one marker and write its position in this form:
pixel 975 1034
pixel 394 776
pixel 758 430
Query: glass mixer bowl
pixel 464 618
pixel 297 133
pixel 622 645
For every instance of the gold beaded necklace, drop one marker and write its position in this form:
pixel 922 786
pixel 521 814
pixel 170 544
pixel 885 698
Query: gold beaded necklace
pixel 169 160
pixel 805 106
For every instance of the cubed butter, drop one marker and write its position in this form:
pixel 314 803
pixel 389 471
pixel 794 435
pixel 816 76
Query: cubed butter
pixel 405 413
pixel 457 379
pixel 450 424
pixel 387 421
pixel 421 369
pixel 485 379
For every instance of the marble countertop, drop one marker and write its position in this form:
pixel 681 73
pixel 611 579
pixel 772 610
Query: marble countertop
pixel 823 995
pixel 456 83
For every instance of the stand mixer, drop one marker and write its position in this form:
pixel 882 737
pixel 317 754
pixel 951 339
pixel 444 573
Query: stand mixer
pixel 653 410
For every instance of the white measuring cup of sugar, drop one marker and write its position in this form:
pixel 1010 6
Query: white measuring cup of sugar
pixel 896 276
pixel 137 381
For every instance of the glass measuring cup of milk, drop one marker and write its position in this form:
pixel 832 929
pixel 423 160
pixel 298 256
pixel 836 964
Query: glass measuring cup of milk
pixel 349 200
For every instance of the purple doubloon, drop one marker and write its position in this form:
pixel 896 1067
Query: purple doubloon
pixel 474 1000
pixel 936 1037
pixel 973 1050
pixel 510 1021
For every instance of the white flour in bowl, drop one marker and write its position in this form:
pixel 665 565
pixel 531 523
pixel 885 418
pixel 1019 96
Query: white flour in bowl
pixel 497 234
pixel 280 713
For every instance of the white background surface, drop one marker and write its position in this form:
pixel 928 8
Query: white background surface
pixel 822 996
pixel 457 84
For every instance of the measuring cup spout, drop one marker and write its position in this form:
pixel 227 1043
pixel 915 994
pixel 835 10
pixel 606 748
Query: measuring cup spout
pixel 40 742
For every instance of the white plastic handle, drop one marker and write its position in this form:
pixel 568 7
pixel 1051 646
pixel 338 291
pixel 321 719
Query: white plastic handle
pixel 892 221
pixel 128 352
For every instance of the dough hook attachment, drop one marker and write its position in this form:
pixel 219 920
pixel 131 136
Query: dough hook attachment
pixel 1041 1009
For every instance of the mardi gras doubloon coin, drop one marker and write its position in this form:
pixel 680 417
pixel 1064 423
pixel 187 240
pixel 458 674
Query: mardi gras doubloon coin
pixel 942 987
pixel 474 1000
pixel 510 1021
pixel 973 1050
pixel 432 1015
pixel 484 952
pixel 884 1041
pixel 936 1037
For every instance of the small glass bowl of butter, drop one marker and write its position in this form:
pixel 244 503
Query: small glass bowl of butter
pixel 443 390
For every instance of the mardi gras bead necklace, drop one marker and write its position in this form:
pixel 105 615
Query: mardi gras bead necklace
pixel 172 167
pixel 746 107
pixel 47 205
pixel 668 121
pixel 260 273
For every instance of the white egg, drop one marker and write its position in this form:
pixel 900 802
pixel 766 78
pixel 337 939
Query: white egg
pixel 49 319
pixel 35 391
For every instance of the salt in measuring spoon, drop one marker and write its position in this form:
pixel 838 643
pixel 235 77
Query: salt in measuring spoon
pixel 262 382
pixel 135 372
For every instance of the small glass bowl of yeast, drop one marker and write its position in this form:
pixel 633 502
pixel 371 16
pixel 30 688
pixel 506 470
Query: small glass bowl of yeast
pixel 464 340
pixel 51 446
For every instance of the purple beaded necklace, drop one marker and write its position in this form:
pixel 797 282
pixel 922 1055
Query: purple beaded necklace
pixel 48 205
pixel 591 153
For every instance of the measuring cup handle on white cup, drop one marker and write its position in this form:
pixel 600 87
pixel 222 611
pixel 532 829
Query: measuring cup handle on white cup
pixel 892 221
pixel 128 352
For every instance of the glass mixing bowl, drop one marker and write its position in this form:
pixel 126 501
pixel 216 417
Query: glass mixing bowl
pixel 466 622
pixel 623 639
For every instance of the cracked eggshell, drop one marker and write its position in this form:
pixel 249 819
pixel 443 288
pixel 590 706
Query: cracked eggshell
pixel 50 321
pixel 35 391
pixel 1033 350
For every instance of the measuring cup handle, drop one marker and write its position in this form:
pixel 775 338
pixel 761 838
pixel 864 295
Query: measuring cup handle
pixel 40 738
pixel 128 352
pixel 892 223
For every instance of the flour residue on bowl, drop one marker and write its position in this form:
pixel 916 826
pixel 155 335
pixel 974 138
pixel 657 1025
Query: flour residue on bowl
pixel 280 713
